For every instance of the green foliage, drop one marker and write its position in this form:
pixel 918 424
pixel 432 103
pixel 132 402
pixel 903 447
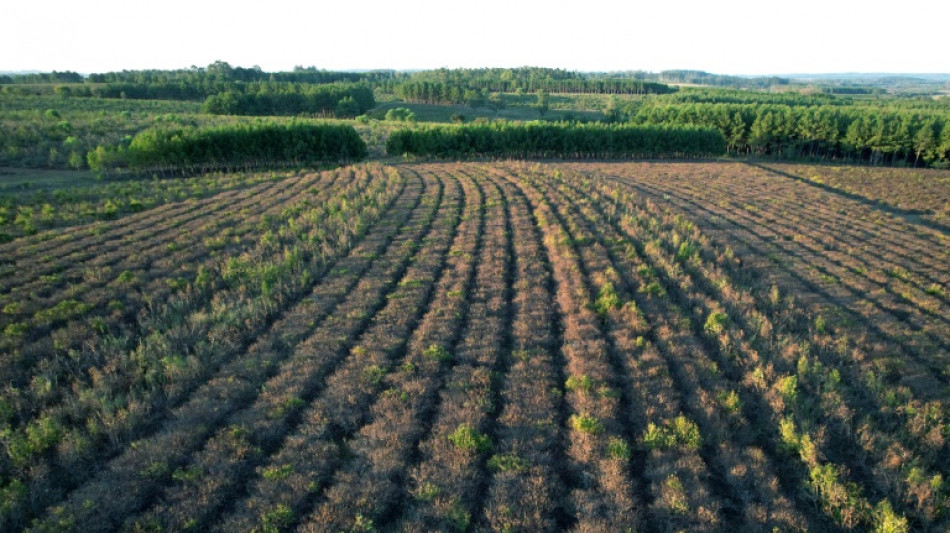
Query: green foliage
pixel 716 323
pixel 188 475
pixel 438 353
pixel 507 463
pixel 274 473
pixel 788 388
pixel 556 140
pixel 888 521
pixel 686 251
pixel 653 288
pixel 277 519
pixel 582 383
pixel 63 310
pixel 460 86
pixel 841 500
pixel 427 492
pixel 467 438
pixel 936 290
pixel 348 107
pixel 607 299
pixel 676 433
pixel 730 401
pixel 400 114
pixel 232 147
pixel 342 100
pixel 790 125
pixel 673 495
pixel 585 423
pixel 374 374
pixel 618 449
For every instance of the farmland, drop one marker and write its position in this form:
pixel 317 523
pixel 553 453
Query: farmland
pixel 524 346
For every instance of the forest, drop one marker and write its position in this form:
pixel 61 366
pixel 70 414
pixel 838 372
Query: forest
pixel 56 119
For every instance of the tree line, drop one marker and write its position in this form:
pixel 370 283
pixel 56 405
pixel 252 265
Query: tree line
pixel 435 92
pixel 189 150
pixel 221 71
pixel 42 77
pixel 337 99
pixel 873 135
pixel 562 140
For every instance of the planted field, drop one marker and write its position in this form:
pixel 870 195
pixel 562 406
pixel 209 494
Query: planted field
pixel 505 346
pixel 911 191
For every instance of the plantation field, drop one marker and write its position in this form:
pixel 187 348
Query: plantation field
pixel 912 191
pixel 513 346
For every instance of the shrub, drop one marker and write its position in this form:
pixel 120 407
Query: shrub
pixel 278 519
pixel 607 299
pixel 730 401
pixel 887 521
pixel 274 473
pixel 618 449
pixel 438 353
pixel 579 383
pixel 467 438
pixel 686 251
pixel 676 433
pixel 507 463
pixel 716 323
pixel 584 423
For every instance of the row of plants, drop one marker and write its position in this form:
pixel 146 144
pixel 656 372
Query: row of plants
pixel 34 210
pixel 314 453
pixel 527 485
pixel 193 150
pixel 444 480
pixel 209 448
pixel 132 377
pixel 562 140
pixel 813 388
pixel 868 134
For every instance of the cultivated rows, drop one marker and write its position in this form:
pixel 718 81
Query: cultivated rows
pixel 506 346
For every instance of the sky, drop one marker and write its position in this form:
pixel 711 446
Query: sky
pixel 725 37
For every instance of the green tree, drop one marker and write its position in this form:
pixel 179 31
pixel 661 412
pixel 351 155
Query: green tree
pixel 347 107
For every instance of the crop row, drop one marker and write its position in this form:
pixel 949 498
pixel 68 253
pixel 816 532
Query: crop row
pixel 505 346
pixel 171 348
pixel 835 407
pixel 101 291
pixel 301 475
pixel 26 214
pixel 690 456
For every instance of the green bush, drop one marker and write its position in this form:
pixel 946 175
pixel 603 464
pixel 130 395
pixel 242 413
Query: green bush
pixel 680 432
pixel 585 423
pixel 467 438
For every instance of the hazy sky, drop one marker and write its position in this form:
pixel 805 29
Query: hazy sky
pixel 727 36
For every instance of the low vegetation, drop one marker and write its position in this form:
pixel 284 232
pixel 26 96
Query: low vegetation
pixel 479 345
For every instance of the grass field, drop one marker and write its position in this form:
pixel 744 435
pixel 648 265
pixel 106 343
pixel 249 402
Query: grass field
pixel 512 346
